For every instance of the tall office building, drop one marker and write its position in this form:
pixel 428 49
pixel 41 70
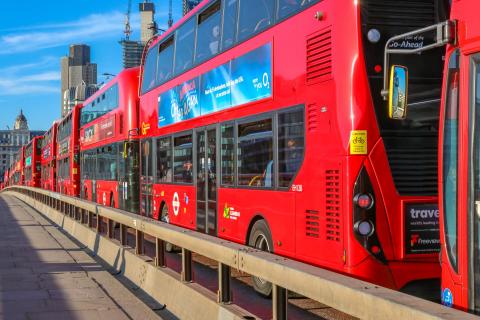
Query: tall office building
pixel 148 26
pixel 133 49
pixel 76 72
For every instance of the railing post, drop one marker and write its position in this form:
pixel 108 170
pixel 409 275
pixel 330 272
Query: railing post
pixel 123 235
pixel 99 224
pixel 279 301
pixel 187 275
pixel 90 219
pixel 224 280
pixel 110 228
pixel 160 253
pixel 138 242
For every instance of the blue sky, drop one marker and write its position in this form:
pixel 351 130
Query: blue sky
pixel 34 35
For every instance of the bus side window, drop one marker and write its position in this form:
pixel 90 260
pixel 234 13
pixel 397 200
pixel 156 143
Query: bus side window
pixel 291 143
pixel 164 160
pixel 229 23
pixel 184 46
pixel 165 61
pixel 183 159
pixel 255 154
pixel 208 34
pixel 286 8
pixel 255 15
pixel 228 154
pixel 149 70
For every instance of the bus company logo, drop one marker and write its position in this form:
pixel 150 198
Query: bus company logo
pixel 145 128
pixel 175 204
pixel 415 239
pixel 226 212
pixel 424 214
pixel 412 42
pixel 230 213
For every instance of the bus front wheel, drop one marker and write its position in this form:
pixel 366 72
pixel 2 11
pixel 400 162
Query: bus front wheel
pixel 261 238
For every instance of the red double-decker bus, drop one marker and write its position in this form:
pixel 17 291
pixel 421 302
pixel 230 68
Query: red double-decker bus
pixel 67 154
pixel 32 166
pixel 109 161
pixel 262 123
pixel 16 172
pixel 459 162
pixel 48 151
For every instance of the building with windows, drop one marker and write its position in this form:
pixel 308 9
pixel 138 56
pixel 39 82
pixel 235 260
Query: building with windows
pixel 188 5
pixel 13 139
pixel 133 49
pixel 77 74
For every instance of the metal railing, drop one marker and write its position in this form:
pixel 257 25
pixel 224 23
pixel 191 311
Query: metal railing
pixel 351 296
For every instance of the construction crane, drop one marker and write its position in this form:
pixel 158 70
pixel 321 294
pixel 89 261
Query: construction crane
pixel 170 18
pixel 128 30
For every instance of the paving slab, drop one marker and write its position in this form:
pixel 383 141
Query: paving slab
pixel 45 275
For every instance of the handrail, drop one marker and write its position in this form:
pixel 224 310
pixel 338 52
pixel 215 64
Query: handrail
pixel 352 296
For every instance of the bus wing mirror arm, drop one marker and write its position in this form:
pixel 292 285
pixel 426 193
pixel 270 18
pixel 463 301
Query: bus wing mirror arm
pixel 446 33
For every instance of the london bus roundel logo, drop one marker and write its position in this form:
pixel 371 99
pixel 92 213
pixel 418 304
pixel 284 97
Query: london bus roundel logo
pixel 175 204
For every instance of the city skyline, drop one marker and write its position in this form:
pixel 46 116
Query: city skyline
pixel 31 46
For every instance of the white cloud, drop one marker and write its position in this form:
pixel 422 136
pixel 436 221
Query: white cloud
pixel 37 83
pixel 87 29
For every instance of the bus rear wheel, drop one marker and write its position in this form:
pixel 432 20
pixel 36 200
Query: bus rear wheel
pixel 261 238
pixel 165 218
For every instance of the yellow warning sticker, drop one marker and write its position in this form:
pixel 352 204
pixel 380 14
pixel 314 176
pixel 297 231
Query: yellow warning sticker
pixel 358 142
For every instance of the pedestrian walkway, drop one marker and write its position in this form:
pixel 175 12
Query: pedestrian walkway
pixel 46 275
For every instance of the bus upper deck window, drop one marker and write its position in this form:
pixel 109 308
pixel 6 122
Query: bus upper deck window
pixel 255 15
pixel 165 61
pixel 185 42
pixel 288 7
pixel 208 34
pixel 229 23
pixel 148 71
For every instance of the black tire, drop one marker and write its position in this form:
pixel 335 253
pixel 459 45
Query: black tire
pixel 261 238
pixel 164 218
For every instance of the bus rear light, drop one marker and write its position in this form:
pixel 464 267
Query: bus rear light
pixel 364 216
pixel 363 200
pixel 364 228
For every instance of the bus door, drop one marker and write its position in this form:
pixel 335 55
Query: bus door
pixel 206 179
pixel 473 219
pixel 146 178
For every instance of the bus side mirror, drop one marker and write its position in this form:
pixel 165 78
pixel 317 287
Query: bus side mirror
pixel 397 93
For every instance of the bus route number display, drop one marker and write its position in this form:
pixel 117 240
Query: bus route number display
pixel 242 80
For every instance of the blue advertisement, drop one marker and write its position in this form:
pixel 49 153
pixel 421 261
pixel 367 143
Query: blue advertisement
pixel 242 80
pixel 216 91
pixel 179 104
pixel 251 76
